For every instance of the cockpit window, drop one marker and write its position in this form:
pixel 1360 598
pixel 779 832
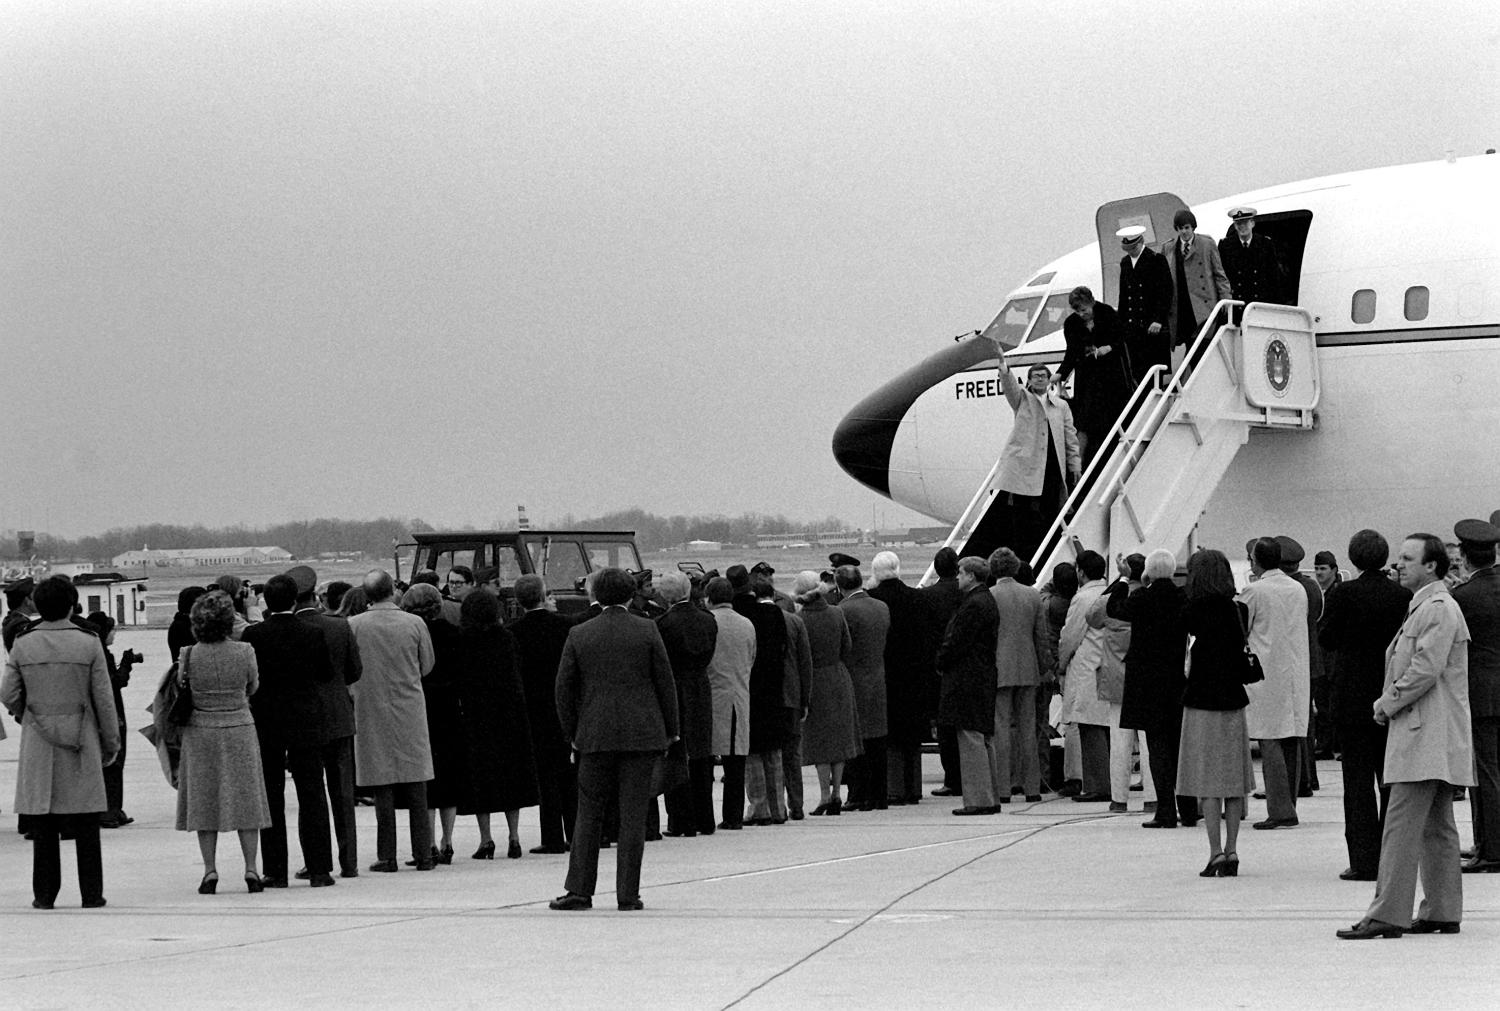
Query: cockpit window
pixel 1010 326
pixel 1053 313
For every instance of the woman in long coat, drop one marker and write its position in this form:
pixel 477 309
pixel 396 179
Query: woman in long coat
pixel 498 757
pixel 830 737
pixel 1154 679
pixel 444 725
pixel 57 685
pixel 1213 763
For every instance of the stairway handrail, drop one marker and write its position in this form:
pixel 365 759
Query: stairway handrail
pixel 1175 387
pixel 1142 390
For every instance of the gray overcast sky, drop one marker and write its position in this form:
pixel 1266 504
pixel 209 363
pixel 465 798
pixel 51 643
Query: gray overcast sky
pixel 265 261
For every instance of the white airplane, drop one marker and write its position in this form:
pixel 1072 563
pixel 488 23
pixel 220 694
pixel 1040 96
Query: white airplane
pixel 1397 273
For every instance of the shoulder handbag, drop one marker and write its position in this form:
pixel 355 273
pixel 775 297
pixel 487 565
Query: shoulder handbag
pixel 1251 672
pixel 181 713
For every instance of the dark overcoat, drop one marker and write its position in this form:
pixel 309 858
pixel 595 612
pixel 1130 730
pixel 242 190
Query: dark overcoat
pixel 1154 676
pixel 1255 273
pixel 498 769
pixel 1103 385
pixel 869 621
pixel 1479 599
pixel 1146 298
pixel 614 685
pixel 539 637
pixel 908 657
pixel 1359 622
pixel 966 660
pixel 690 635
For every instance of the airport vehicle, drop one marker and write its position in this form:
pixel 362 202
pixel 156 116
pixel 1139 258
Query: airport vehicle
pixel 1368 402
pixel 563 558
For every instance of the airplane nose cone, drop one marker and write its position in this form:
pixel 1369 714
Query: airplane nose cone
pixel 863 439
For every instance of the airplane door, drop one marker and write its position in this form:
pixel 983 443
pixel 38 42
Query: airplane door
pixel 1154 211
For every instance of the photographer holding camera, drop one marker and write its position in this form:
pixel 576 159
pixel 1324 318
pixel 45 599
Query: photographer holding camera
pixel 114 815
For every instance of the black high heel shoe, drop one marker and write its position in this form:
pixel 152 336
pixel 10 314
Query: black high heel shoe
pixel 835 806
pixel 1231 866
pixel 210 883
pixel 486 851
pixel 445 855
pixel 1215 867
pixel 254 883
pixel 513 852
pixel 821 809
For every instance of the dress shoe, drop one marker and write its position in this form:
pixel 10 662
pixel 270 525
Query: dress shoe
pixel 321 881
pixel 123 818
pixel 555 849
pixel 835 807
pixel 486 851
pixel 254 883
pixel 1259 795
pixel 966 811
pixel 1276 823
pixel 1071 788
pixel 1230 868
pixel 797 815
pixel 1033 798
pixel 210 883
pixel 1350 874
pixel 39 904
pixel 273 882
pixel 1091 798
pixel 98 903
pixel 760 821
pixel 820 810
pixel 726 827
pixel 1215 864
pixel 350 873
pixel 445 855
pixel 1158 823
pixel 631 905
pixel 1115 807
pixel 432 858
pixel 1190 823
pixel 1304 793
pixel 1479 865
pixel 1433 927
pixel 426 865
pixel 943 791
pixel 513 851
pixel 672 835
pixel 384 866
pixel 1366 929
pixel 303 874
pixel 571 902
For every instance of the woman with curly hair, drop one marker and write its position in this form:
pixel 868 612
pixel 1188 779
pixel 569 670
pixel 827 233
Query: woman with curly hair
pixel 219 786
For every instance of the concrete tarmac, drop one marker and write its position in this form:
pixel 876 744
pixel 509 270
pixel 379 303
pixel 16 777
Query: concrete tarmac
pixel 1057 904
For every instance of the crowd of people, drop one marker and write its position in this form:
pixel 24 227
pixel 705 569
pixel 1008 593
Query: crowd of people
pixel 419 697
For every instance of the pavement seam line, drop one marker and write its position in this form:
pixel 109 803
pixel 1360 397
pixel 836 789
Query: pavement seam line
pixel 900 898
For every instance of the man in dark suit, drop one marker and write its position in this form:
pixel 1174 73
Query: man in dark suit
pixel 617 703
pixel 942 600
pixel 334 758
pixel 540 636
pixel 1250 261
pixel 293 659
pixel 1145 301
pixel 1479 599
pixel 1358 624
pixel 869 622
pixel 690 635
pixel 907 660
pixel 967 661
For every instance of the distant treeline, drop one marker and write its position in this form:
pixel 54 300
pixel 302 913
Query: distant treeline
pixel 303 539
pixel 307 538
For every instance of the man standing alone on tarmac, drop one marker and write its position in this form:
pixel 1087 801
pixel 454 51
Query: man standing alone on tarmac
pixel 1428 753
pixel 1039 463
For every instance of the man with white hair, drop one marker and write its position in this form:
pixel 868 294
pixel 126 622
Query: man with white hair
pixel 908 657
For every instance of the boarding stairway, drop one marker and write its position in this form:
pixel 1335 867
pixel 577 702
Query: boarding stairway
pixel 1162 461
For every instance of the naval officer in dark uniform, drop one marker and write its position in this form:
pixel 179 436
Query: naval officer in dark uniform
pixel 1251 261
pixel 1145 300
pixel 1478 598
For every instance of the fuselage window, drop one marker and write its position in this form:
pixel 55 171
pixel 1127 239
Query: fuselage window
pixel 1416 302
pixel 1363 308
pixel 1041 279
